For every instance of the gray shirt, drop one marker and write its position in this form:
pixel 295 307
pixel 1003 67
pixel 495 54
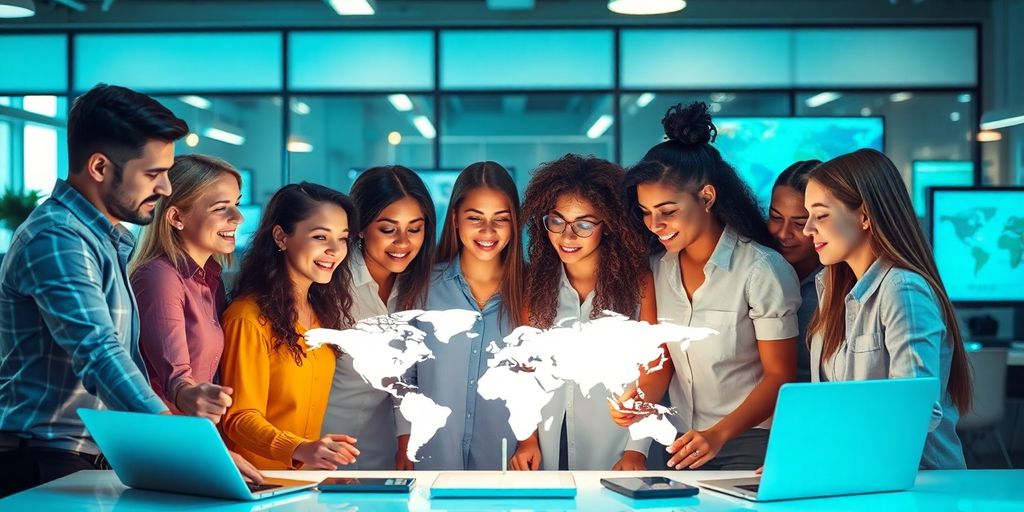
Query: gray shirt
pixel 808 303
pixel 355 407
pixel 749 293
pixel 894 328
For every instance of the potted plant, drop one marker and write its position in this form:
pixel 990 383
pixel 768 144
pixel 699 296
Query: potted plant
pixel 15 206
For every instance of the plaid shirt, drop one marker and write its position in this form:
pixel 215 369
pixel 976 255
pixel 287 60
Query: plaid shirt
pixel 69 325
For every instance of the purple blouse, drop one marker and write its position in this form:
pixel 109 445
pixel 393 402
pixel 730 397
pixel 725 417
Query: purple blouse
pixel 180 334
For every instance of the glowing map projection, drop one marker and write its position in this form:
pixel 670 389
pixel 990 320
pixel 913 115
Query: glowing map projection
pixel 524 371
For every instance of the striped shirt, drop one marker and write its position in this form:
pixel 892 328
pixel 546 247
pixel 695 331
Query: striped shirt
pixel 69 325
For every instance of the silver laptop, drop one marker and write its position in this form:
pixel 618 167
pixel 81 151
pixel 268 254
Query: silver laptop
pixel 837 438
pixel 178 454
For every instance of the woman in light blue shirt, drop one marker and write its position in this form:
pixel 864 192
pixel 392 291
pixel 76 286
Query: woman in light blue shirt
pixel 585 259
pixel 786 219
pixel 713 268
pixel 883 311
pixel 390 272
pixel 479 267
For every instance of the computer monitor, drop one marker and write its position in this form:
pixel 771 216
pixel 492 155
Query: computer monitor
pixel 762 147
pixel 978 241
pixel 937 173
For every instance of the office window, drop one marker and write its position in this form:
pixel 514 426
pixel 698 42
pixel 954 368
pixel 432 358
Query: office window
pixel 526 59
pixel 521 131
pixel 34 63
pixel 335 138
pixel 236 61
pixel 40 155
pixel 361 60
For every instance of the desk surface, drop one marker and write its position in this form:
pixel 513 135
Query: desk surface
pixel 979 490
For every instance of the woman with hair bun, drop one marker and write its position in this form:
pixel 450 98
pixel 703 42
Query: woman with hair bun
pixel 713 268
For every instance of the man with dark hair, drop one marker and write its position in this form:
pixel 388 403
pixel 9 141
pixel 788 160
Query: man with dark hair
pixel 69 324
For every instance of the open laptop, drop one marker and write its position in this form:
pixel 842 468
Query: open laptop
pixel 836 438
pixel 179 454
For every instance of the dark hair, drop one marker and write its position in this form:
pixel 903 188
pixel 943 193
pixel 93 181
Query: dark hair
pixel 375 190
pixel 622 263
pixel 117 122
pixel 493 176
pixel 688 161
pixel 797 175
pixel 264 275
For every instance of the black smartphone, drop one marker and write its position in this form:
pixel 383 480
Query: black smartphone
pixel 645 487
pixel 394 485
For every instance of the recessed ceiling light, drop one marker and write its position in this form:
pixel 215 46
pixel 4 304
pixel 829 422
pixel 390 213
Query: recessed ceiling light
pixel 645 7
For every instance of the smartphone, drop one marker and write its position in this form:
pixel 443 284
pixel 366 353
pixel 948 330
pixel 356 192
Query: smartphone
pixel 649 487
pixel 395 485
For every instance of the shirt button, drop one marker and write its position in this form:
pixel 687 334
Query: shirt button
pixel 475 351
pixel 472 381
pixel 469 415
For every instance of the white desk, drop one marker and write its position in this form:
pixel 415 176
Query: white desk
pixel 935 491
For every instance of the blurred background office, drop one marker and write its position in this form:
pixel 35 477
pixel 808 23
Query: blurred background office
pixel 320 90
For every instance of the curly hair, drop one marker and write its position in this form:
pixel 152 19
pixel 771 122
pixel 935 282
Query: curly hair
pixel 688 162
pixel 621 250
pixel 264 275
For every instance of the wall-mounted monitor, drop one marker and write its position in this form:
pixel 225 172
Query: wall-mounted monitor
pixel 978 241
pixel 762 147
pixel 937 173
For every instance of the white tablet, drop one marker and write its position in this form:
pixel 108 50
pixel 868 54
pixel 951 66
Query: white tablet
pixel 512 484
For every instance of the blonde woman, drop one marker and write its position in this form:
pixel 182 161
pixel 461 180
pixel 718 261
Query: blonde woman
pixel 176 279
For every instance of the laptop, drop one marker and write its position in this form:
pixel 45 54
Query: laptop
pixel 838 438
pixel 496 484
pixel 179 454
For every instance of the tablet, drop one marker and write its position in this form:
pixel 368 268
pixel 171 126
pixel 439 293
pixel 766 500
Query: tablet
pixel 393 485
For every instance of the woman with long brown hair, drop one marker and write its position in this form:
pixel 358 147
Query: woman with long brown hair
pixel 585 259
pixel 883 311
pixel 293 279
pixel 479 267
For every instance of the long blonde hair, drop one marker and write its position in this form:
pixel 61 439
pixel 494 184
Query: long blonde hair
pixel 867 178
pixel 191 176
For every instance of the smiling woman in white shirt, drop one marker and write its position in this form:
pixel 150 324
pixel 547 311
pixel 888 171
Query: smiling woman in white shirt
pixel 713 268
pixel 585 259
pixel 390 272
pixel 883 311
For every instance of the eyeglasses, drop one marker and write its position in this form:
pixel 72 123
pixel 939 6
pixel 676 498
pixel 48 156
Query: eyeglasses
pixel 582 228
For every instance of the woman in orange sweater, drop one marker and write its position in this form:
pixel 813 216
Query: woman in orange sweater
pixel 291 280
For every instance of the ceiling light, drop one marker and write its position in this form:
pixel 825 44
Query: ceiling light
pixel 645 7
pixel 423 124
pixel 401 102
pixel 600 126
pixel 196 101
pixel 353 7
pixel 192 140
pixel 995 120
pixel 865 111
pixel 964 98
pixel 898 97
pixel 17 8
pixel 297 144
pixel 989 136
pixel 394 138
pixel 954 116
pixel 300 107
pixel 225 136
pixel 645 99
pixel 822 98
pixel 722 97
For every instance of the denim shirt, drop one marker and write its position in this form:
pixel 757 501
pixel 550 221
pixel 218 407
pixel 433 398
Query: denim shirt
pixel 471 439
pixel 69 325
pixel 894 329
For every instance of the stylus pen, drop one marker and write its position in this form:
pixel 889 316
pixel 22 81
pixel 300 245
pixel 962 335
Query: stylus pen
pixel 504 455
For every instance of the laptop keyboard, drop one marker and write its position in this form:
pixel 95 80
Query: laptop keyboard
pixel 261 487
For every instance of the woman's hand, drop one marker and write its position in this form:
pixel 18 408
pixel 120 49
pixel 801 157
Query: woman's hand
pixel 631 461
pixel 402 461
pixel 527 455
pixel 328 452
pixel 695 448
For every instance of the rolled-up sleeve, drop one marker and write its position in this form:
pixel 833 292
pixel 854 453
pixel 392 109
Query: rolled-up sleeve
pixel 162 334
pixel 914 332
pixel 63 276
pixel 773 292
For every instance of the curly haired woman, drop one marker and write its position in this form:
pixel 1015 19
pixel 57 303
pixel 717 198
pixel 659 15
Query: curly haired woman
pixel 585 259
